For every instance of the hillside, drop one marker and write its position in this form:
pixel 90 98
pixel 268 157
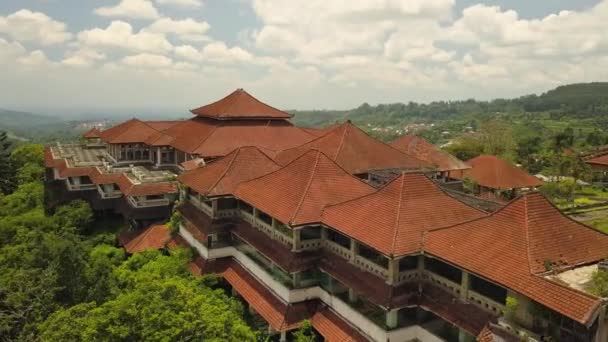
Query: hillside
pixel 35 127
pixel 587 101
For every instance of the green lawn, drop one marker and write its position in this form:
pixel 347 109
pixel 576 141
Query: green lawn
pixel 599 224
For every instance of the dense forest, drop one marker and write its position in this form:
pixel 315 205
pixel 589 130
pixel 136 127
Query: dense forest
pixel 63 277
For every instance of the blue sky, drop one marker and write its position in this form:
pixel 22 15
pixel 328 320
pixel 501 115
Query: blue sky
pixel 73 56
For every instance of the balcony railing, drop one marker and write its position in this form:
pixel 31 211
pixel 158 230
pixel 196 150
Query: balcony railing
pixel 406 276
pixel 147 203
pixel 108 195
pixel 309 244
pixel 80 187
pixel 443 282
pixel 337 249
pixel 371 266
pixel 200 205
pixel 486 303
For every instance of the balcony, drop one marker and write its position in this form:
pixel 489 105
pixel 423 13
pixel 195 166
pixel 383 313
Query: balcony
pixel 108 195
pixel 200 205
pixel 80 186
pixel 138 202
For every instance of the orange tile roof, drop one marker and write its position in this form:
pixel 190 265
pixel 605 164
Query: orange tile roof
pixel 131 131
pixel 393 219
pixel 240 105
pixel 511 246
pixel 280 316
pixel 92 133
pixel 333 328
pixel 212 138
pixel 148 189
pixel 494 333
pixel 355 151
pixel 152 238
pixel 493 172
pixel 297 193
pixel 193 164
pixel 420 148
pixel 601 159
pixel 220 178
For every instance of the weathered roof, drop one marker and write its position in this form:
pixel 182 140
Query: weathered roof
pixel 152 238
pixel 355 151
pixel 240 105
pixel 393 219
pixel 334 328
pixel 597 159
pixel 138 131
pixel 279 315
pixel 212 138
pixel 297 193
pixel 221 177
pixel 512 246
pixel 420 148
pixel 92 133
pixel 192 164
pixel 493 172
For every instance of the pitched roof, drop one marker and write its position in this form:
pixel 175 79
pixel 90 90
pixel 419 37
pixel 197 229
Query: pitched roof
pixel 333 328
pixel 152 238
pixel 597 159
pixel 279 315
pixel 92 133
pixel 193 164
pixel 213 138
pixel 240 105
pixel 493 172
pixel 297 193
pixel 393 219
pixel 221 177
pixel 420 148
pixel 355 151
pixel 511 246
pixel 131 131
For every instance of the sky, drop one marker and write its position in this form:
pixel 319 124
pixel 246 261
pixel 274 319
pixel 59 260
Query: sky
pixel 161 56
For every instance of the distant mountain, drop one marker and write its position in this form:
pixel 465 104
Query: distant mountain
pixel 10 119
pixel 24 126
pixel 584 100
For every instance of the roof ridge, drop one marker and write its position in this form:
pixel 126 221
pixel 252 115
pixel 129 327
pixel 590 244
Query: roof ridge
pixel 527 231
pixel 312 176
pixel 398 216
pixel 339 149
pixel 215 127
pixel 238 150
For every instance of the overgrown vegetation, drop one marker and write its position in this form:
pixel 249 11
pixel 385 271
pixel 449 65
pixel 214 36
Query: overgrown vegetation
pixel 63 280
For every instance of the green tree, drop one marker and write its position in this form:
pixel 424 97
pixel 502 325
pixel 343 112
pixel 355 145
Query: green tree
pixel 27 154
pixel 6 167
pixel 599 283
pixel 76 214
pixel 305 333
pixel 160 301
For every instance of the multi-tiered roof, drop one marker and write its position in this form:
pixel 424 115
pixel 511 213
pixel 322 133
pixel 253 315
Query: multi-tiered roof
pixel 424 150
pixel 492 172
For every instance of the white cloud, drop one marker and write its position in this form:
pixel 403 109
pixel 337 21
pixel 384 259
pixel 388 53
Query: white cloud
pixel 83 57
pixel 36 58
pixel 186 29
pixel 119 34
pixel 219 52
pixel 25 25
pixel 134 9
pixel 188 52
pixel 181 3
pixel 9 51
pixel 147 60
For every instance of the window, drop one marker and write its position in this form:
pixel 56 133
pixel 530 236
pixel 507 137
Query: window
pixel 487 289
pixel 441 268
pixel 408 263
pixel 338 238
pixel 310 233
pixel 226 203
pixel 246 207
pixel 373 256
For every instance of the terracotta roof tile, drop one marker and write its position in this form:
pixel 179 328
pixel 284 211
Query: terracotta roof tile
pixel 193 164
pixel 279 315
pixel 92 133
pixel 420 148
pixel 333 328
pixel 131 131
pixel 510 247
pixel 220 178
pixel 355 151
pixel 152 238
pixel 212 138
pixel 393 219
pixel 601 159
pixel 493 172
pixel 297 193
pixel 238 105
pixel 494 333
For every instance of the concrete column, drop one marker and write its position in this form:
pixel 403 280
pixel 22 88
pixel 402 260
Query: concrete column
pixel 296 239
pixel 296 279
pixel 158 156
pixel 323 233
pixel 462 335
pixel 283 337
pixel 392 318
pixel 214 207
pixel 602 329
pixel 354 250
pixel 393 271
pixel 420 263
pixel 352 296
pixel 464 285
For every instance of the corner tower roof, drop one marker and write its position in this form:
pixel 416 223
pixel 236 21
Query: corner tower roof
pixel 240 105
